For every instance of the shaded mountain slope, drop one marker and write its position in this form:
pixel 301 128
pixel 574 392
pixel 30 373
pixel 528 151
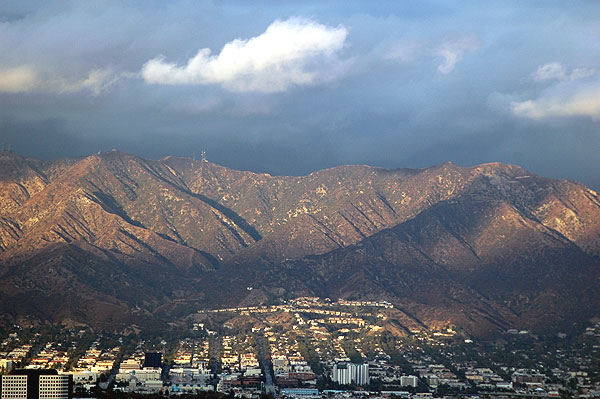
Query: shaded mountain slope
pixel 480 259
pixel 484 247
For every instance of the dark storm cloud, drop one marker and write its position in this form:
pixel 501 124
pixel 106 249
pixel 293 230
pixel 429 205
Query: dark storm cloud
pixel 394 85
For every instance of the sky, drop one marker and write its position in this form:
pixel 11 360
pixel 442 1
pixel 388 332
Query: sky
pixel 290 87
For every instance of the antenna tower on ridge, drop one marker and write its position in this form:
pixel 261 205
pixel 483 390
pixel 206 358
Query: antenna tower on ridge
pixel 204 156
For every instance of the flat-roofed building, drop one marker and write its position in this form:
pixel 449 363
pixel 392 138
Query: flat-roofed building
pixel 347 373
pixel 36 384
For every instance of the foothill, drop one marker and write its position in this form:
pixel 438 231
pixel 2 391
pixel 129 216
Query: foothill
pixel 307 348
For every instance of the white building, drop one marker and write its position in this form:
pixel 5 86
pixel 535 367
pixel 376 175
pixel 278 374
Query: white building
pixel 409 380
pixel 348 373
pixel 42 384
pixel 54 386
pixel 14 386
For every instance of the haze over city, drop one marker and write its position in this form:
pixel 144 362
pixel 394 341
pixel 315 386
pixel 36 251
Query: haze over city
pixel 292 87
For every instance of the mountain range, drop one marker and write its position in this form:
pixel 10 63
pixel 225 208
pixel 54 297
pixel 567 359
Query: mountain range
pixel 113 240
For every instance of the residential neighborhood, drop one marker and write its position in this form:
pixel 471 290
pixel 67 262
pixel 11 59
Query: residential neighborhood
pixel 312 347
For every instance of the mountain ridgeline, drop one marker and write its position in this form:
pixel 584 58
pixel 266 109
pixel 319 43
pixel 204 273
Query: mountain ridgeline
pixel 113 240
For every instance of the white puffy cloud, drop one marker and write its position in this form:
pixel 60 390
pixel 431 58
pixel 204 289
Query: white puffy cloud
pixel 555 71
pixel 582 73
pixel 562 101
pixel 575 93
pixel 452 51
pixel 551 71
pixel 17 80
pixel 23 79
pixel 291 52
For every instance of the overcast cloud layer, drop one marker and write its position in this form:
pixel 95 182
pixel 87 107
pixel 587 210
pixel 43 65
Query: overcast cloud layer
pixel 292 87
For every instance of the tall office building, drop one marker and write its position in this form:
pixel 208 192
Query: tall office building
pixel 341 374
pixel 361 374
pixel 347 373
pixel 153 359
pixel 36 384
pixel 409 380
